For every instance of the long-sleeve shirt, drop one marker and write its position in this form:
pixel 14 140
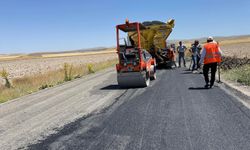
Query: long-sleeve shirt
pixel 195 49
pixel 203 54
pixel 181 48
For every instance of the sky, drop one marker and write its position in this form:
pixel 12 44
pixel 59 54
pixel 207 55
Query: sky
pixel 28 26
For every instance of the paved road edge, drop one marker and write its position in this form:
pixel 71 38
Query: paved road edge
pixel 242 95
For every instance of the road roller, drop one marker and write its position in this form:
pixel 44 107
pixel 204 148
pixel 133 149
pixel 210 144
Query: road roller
pixel 141 47
pixel 136 66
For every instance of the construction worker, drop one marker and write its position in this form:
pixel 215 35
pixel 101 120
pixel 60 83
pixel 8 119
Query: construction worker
pixel 181 51
pixel 198 54
pixel 210 56
pixel 195 50
pixel 172 48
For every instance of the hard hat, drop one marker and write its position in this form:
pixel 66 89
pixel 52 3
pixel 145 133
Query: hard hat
pixel 210 38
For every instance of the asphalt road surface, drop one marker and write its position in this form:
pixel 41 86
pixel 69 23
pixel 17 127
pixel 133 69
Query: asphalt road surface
pixel 93 113
pixel 174 113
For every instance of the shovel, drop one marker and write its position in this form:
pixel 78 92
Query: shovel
pixel 219 81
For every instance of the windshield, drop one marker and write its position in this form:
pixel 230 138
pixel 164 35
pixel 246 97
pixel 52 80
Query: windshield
pixel 125 39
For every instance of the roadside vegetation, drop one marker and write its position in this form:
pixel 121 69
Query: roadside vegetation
pixel 4 74
pixel 239 74
pixel 236 69
pixel 29 84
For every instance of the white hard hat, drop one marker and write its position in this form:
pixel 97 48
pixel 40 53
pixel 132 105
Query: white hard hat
pixel 210 38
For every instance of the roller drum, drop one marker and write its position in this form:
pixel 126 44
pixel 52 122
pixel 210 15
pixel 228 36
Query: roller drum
pixel 133 79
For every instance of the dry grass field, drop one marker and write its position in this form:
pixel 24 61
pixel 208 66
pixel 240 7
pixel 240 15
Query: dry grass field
pixel 30 73
pixel 54 54
pixel 20 66
pixel 234 40
pixel 108 51
pixel 239 50
pixel 4 57
pixel 31 83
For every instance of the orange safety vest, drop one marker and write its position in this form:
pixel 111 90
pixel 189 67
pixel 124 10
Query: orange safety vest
pixel 212 53
pixel 170 54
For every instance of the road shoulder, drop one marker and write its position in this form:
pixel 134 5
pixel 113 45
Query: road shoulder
pixel 240 91
pixel 31 118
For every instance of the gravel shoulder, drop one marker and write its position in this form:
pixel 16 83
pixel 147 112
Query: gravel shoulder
pixel 240 91
pixel 28 119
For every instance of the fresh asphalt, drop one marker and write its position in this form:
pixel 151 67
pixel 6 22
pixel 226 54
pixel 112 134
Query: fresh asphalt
pixel 175 112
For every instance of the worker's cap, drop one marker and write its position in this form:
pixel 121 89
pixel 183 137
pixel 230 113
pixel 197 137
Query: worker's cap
pixel 210 38
pixel 196 42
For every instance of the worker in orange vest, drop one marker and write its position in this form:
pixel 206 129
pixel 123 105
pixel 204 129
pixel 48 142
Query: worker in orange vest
pixel 210 57
pixel 172 48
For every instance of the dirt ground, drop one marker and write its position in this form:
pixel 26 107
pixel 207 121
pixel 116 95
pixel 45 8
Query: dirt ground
pixel 239 50
pixel 27 67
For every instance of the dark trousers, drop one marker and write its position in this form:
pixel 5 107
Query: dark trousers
pixel 194 59
pixel 198 60
pixel 213 67
pixel 182 56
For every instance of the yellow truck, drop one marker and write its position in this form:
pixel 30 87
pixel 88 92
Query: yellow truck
pixel 153 39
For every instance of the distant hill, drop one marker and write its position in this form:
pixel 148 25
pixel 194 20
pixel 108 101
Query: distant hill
pixel 69 51
pixel 59 52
